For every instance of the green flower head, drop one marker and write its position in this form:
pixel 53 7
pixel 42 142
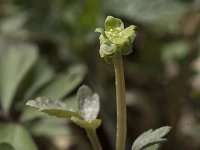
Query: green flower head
pixel 115 40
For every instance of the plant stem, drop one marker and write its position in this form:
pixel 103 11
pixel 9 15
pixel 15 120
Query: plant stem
pixel 91 133
pixel 121 103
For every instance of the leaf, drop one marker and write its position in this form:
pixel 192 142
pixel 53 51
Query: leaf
pixel 47 126
pixel 153 147
pixel 160 15
pixel 6 146
pixel 71 101
pixel 30 113
pixel 88 103
pixel 150 140
pixel 15 64
pixel 64 83
pixel 86 124
pixel 52 107
pixel 42 73
pixel 17 135
pixel 12 29
pixel 88 15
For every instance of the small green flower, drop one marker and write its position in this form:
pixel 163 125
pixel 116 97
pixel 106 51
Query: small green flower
pixel 115 40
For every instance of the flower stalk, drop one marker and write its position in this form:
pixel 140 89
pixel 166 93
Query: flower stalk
pixel 116 41
pixel 121 103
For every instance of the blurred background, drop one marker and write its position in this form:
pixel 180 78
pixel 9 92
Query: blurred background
pixel 49 48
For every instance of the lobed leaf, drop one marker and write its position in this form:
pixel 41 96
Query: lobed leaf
pixel 15 64
pixel 17 135
pixel 88 103
pixel 160 15
pixel 30 114
pixel 41 74
pixel 46 127
pixel 64 83
pixel 153 147
pixel 151 140
pixel 54 88
pixel 6 146
pixel 52 107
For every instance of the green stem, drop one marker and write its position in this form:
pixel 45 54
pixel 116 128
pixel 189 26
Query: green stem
pixel 121 103
pixel 91 133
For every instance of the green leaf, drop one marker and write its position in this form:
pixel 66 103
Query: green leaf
pixel 89 14
pixel 12 28
pixel 151 140
pixel 6 146
pixel 15 64
pixel 113 24
pixel 17 135
pixel 159 15
pixel 64 83
pixel 71 101
pixel 31 113
pixel 38 80
pixel 153 147
pixel 52 107
pixel 88 103
pixel 86 124
pixel 41 74
pixel 47 126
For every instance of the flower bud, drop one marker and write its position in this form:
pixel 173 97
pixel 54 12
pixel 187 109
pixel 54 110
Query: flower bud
pixel 115 40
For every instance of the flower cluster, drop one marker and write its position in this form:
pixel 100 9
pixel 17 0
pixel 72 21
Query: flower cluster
pixel 115 40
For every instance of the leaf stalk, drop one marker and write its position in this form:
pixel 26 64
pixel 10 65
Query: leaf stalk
pixel 91 133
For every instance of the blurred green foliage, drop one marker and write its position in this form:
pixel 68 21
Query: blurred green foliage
pixel 40 39
pixel 25 75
